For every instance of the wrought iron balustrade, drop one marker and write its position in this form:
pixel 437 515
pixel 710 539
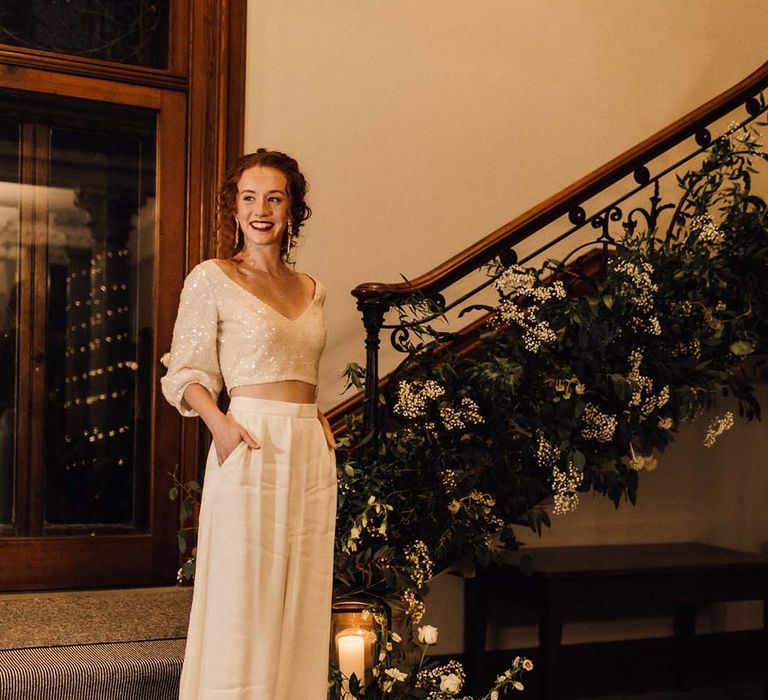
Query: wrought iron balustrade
pixel 641 172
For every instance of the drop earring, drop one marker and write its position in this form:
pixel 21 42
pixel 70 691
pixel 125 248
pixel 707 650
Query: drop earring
pixel 237 235
pixel 291 243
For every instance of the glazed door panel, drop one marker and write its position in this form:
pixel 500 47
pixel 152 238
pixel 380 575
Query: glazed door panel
pixel 83 479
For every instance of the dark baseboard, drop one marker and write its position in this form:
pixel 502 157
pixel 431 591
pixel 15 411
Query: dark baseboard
pixel 644 665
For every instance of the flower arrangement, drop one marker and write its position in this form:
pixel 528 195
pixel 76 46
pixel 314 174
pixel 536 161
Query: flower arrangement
pixel 563 393
pixel 395 678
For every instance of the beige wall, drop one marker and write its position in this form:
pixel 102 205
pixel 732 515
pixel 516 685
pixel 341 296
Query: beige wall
pixel 425 124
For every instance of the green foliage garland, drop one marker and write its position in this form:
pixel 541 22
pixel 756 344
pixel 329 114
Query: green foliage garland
pixel 578 383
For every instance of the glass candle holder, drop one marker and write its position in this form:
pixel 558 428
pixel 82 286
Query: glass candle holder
pixel 354 644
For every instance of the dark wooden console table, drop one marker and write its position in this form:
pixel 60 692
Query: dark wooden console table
pixel 569 583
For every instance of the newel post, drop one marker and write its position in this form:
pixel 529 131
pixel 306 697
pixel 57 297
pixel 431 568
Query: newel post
pixel 373 311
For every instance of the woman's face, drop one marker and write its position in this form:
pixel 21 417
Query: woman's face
pixel 263 207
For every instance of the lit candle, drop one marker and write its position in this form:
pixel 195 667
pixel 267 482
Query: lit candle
pixel 351 647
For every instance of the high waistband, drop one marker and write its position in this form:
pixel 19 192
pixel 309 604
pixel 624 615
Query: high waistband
pixel 275 408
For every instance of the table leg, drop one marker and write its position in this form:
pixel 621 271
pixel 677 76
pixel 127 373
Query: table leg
pixel 685 630
pixel 550 639
pixel 475 624
pixel 765 648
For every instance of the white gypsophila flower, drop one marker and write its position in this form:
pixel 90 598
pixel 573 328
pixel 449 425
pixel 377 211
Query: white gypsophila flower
pixel 638 284
pixel 535 332
pixel 515 280
pixel 468 413
pixel 643 396
pixel 707 230
pixel 432 680
pixel 414 608
pixel 597 425
pixel 448 479
pixel 547 453
pixel 413 397
pixel 427 635
pixel 564 487
pixel 717 427
pixel 524 295
pixel 450 684
pixel 420 562
pixel 691 347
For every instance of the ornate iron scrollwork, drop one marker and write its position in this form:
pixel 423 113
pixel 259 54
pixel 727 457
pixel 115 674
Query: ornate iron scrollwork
pixel 703 137
pixel 642 175
pixel 577 216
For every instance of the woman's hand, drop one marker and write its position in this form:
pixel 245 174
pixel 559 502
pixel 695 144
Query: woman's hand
pixel 327 431
pixel 228 434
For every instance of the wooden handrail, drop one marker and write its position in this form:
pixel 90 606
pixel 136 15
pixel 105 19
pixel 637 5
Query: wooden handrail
pixel 465 343
pixel 573 196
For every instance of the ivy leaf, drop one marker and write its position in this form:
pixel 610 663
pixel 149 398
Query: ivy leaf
pixel 620 386
pixel 741 348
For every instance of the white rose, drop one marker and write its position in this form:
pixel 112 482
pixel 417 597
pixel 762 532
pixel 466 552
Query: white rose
pixel 450 684
pixel 396 674
pixel 428 635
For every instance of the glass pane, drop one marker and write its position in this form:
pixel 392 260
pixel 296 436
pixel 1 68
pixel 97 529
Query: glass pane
pixel 100 276
pixel 9 256
pixel 126 31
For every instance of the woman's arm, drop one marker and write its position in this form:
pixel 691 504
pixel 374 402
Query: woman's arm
pixel 227 433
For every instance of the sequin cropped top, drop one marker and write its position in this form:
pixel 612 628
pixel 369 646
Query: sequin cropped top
pixel 224 334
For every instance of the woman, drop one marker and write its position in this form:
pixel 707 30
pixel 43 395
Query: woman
pixel 260 621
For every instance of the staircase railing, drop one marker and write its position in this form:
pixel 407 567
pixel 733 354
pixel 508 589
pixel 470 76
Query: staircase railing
pixel 375 299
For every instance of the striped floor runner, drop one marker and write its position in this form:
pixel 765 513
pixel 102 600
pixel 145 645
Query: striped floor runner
pixel 144 670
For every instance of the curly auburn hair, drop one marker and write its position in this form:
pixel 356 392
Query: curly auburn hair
pixel 227 198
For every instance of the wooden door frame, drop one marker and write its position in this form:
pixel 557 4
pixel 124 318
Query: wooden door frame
pixel 200 98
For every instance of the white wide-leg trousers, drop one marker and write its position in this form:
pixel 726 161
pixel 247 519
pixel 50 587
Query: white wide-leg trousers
pixel 259 628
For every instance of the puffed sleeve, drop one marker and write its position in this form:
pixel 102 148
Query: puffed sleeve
pixel 193 358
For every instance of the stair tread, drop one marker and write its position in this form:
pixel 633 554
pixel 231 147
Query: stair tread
pixel 86 617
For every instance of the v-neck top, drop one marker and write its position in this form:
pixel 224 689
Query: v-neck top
pixel 226 335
